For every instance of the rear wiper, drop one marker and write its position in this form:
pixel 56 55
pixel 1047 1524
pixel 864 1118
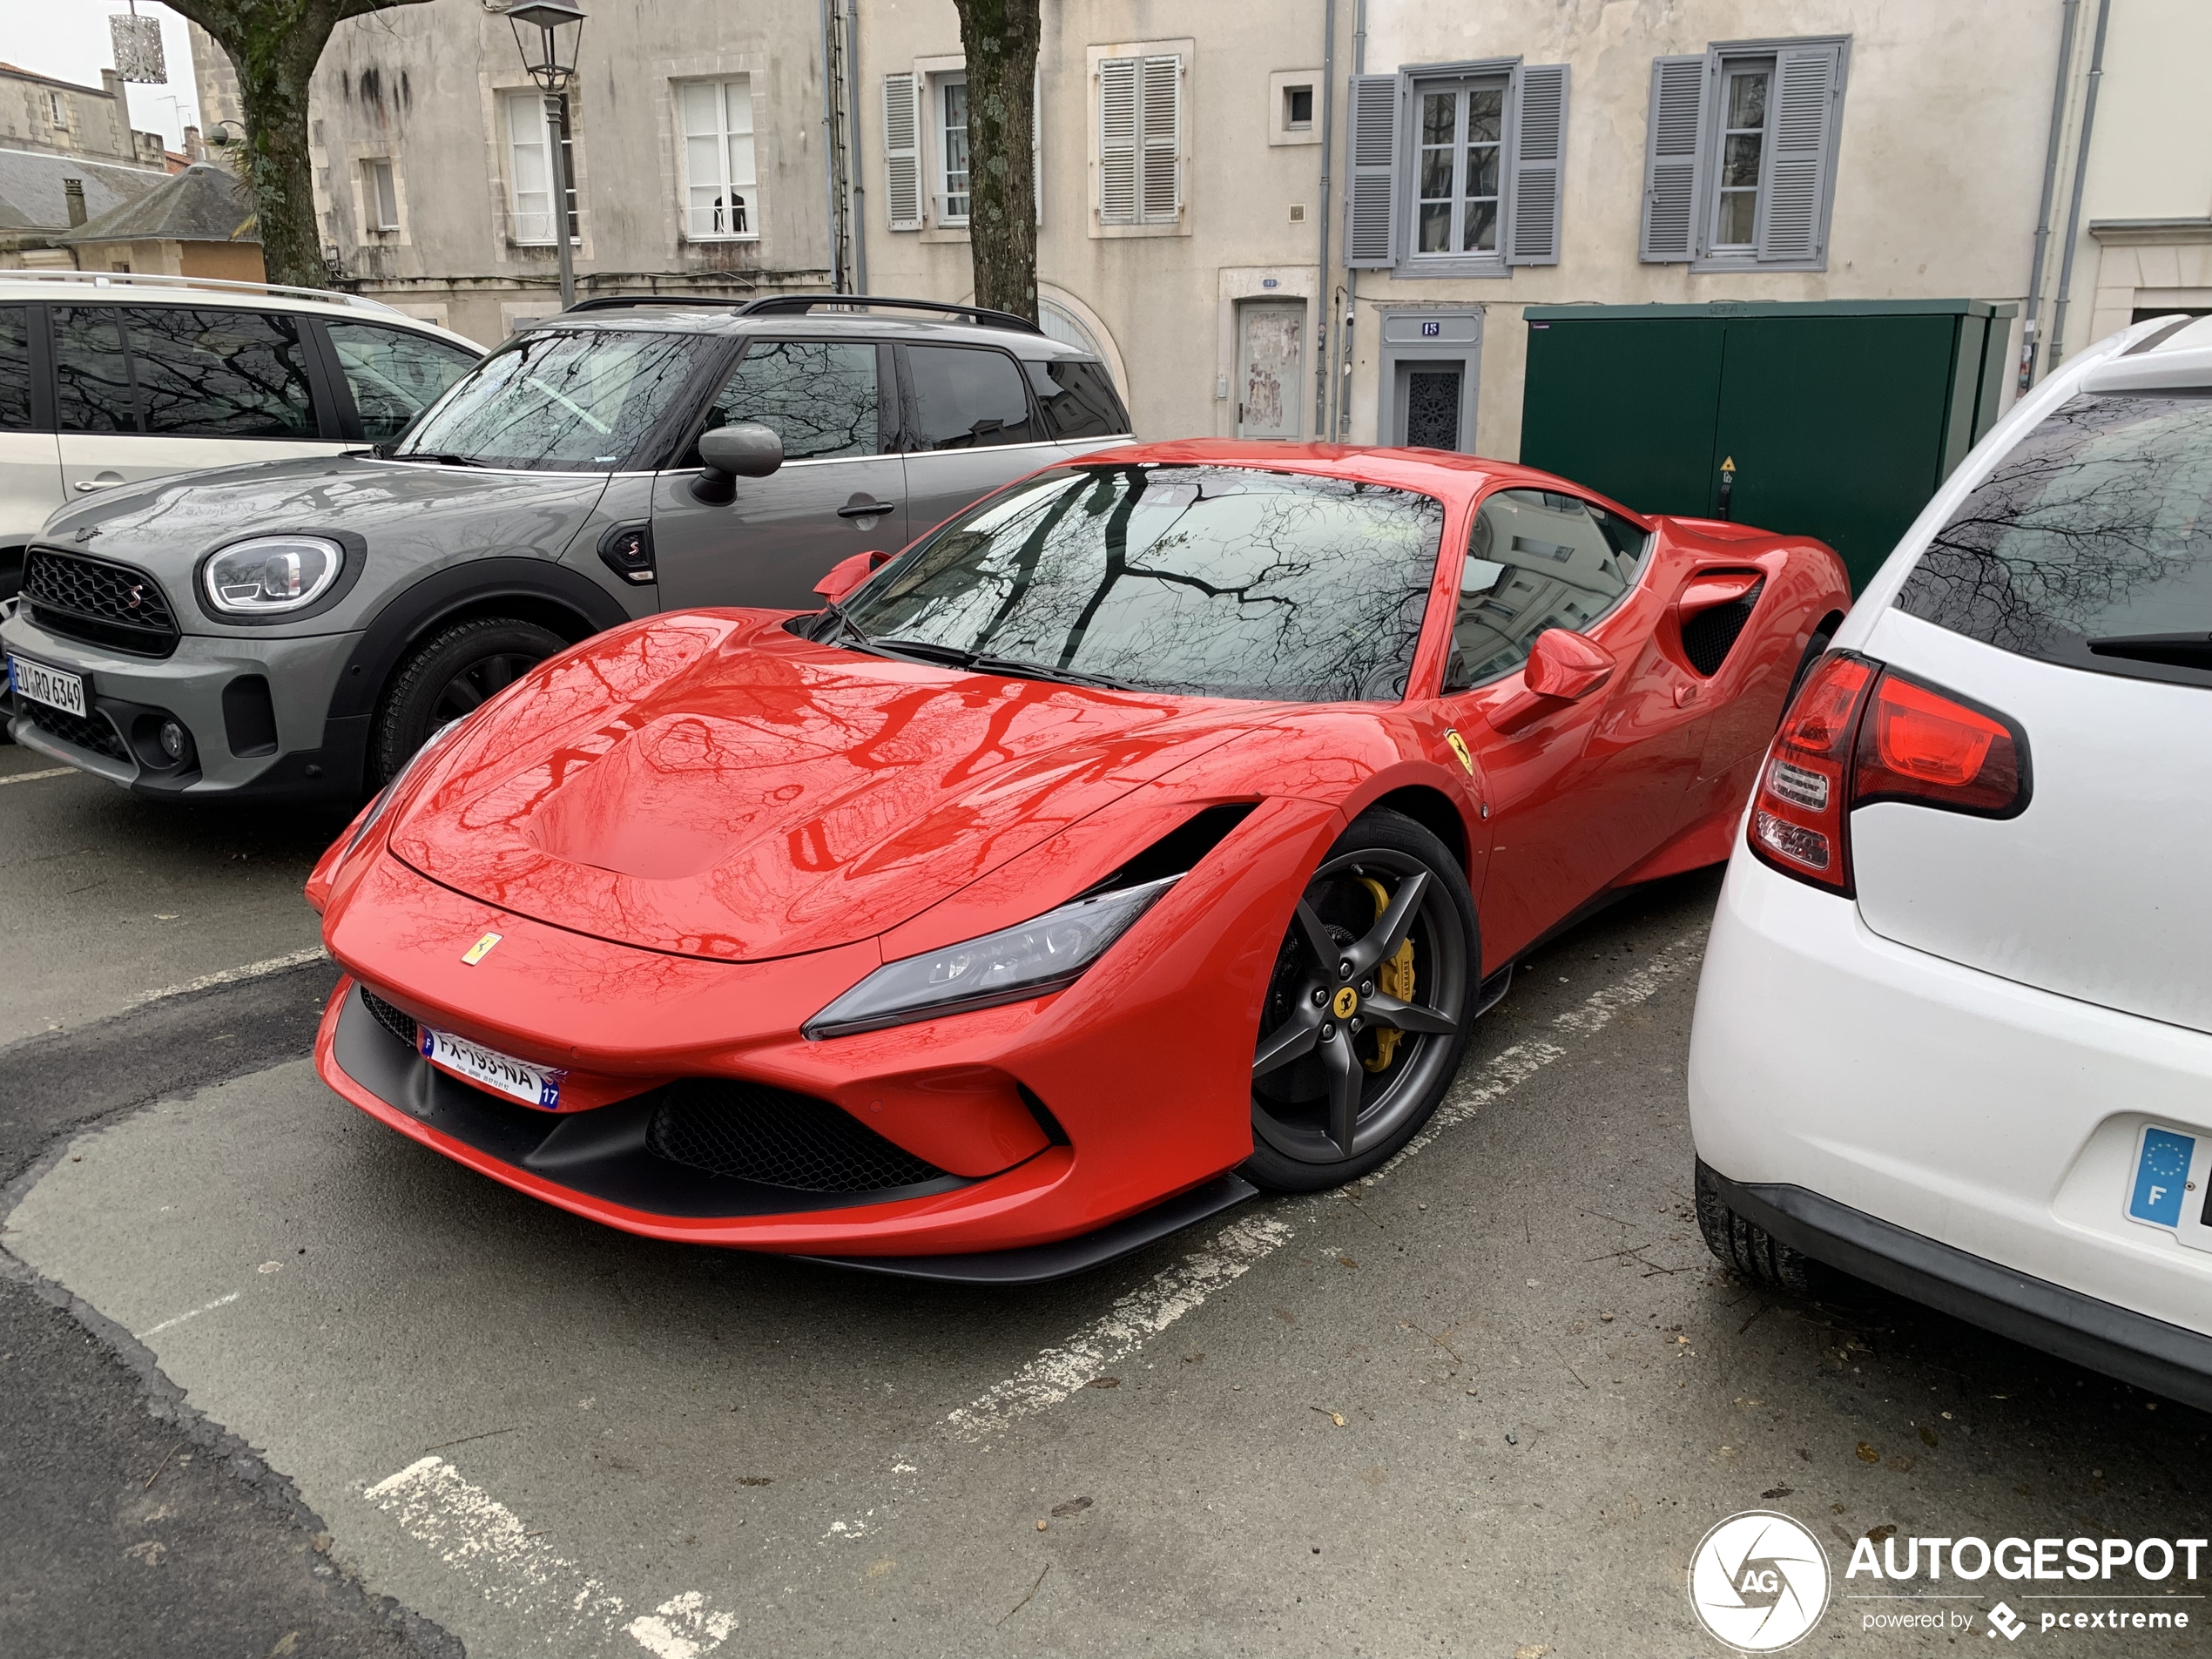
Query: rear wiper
pixel 2174 650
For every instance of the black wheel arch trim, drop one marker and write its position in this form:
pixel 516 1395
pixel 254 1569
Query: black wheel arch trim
pixel 2102 1336
pixel 469 586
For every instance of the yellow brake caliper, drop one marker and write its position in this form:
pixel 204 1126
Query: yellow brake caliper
pixel 1392 978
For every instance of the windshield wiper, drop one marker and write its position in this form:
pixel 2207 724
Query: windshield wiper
pixel 437 457
pixel 984 662
pixel 2174 650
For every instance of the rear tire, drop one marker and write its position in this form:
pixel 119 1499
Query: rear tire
pixel 1334 1095
pixel 449 675
pixel 1815 648
pixel 1749 1248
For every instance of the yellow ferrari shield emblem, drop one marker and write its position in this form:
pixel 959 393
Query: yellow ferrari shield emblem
pixel 1347 1000
pixel 482 948
pixel 1460 748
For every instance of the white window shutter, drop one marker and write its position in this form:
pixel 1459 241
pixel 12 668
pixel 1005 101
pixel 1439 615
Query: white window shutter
pixel 1807 96
pixel 1673 155
pixel 1162 104
pixel 1117 163
pixel 1539 165
pixel 902 152
pixel 1371 199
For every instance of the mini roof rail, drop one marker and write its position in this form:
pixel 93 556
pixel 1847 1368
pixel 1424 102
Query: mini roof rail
pixel 798 305
pixel 630 302
pixel 154 280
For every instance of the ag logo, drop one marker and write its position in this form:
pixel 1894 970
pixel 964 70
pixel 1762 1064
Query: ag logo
pixel 1759 1581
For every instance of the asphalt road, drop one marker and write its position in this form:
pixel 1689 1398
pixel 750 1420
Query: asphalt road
pixel 1486 1403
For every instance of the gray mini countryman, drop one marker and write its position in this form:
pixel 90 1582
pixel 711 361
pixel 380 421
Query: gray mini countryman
pixel 295 629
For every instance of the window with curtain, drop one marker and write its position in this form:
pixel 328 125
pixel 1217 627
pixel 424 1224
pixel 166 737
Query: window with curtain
pixel 1460 134
pixel 721 195
pixel 529 168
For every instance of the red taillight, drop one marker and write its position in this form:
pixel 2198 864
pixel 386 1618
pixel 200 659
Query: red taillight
pixel 1797 812
pixel 1858 732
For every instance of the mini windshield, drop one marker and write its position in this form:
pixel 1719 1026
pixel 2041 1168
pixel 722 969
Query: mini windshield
pixel 1227 581
pixel 564 400
pixel 2089 545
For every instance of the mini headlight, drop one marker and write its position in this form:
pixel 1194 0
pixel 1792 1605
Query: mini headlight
pixel 1009 966
pixel 271 574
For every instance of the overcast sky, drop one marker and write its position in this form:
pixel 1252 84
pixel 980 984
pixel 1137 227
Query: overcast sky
pixel 67 39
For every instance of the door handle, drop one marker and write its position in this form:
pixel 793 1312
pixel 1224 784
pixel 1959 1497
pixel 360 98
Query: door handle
pixel 87 485
pixel 864 509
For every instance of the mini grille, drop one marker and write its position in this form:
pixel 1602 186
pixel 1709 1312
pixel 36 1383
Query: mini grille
pixel 747 1132
pixel 1709 637
pixel 398 1022
pixel 90 599
pixel 77 730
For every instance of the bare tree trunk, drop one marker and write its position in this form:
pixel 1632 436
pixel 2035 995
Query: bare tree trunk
pixel 999 37
pixel 274 45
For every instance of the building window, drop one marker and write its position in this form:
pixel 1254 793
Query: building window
pixel 950 101
pixel 1740 155
pixel 57 110
pixel 1140 140
pixel 1298 108
pixel 720 198
pixel 382 191
pixel 1456 169
pixel 530 134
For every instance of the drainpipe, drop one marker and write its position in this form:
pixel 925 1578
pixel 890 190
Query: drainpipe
pixel 1324 359
pixel 853 138
pixel 829 153
pixel 1352 276
pixel 2073 11
pixel 2080 176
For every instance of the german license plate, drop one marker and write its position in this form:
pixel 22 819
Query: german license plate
pixel 538 1086
pixel 48 685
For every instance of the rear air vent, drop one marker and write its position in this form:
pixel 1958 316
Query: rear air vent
pixel 750 1132
pixel 1709 637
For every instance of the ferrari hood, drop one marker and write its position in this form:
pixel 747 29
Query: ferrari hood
pixel 711 785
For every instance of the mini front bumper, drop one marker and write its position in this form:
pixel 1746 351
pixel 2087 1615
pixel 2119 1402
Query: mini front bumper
pixel 256 710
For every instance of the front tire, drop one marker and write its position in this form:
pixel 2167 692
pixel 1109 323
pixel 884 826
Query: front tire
pixel 1368 1009
pixel 449 675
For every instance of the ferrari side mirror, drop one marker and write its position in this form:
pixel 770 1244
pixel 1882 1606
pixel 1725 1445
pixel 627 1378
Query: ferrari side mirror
pixel 744 450
pixel 847 574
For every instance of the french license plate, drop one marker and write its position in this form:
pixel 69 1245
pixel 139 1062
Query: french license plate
pixel 48 685
pixel 538 1086
pixel 2168 1185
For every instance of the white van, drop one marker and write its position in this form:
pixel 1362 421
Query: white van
pixel 106 379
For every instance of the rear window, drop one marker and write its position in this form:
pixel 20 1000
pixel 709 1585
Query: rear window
pixel 1078 399
pixel 2090 545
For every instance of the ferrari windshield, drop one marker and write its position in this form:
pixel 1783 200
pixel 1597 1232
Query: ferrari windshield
pixel 1228 581
pixel 586 400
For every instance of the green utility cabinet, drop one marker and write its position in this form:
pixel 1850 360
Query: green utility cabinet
pixel 1841 417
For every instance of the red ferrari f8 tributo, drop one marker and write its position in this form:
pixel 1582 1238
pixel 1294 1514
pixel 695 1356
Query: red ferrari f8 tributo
pixel 1154 830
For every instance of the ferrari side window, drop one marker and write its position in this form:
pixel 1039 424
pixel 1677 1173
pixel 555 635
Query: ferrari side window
pixel 1537 559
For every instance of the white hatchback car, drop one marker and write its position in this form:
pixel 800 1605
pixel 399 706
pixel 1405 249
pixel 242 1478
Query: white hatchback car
pixel 1955 1033
pixel 106 379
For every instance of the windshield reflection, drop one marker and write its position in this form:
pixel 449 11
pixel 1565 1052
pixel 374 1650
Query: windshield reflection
pixel 1226 581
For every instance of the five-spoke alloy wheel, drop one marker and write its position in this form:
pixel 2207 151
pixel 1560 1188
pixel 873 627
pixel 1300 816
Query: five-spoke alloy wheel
pixel 1366 1012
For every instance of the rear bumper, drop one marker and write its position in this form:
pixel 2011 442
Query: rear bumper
pixel 2149 1353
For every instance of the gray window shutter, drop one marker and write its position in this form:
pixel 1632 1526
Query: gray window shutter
pixel 1809 86
pixel 1672 153
pixel 902 152
pixel 1117 141
pixel 1371 199
pixel 1539 164
pixel 1163 110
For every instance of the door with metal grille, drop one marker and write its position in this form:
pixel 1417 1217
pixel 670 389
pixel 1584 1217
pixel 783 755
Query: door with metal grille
pixel 1428 404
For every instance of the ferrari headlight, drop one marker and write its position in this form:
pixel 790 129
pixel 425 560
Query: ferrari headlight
pixel 1008 965
pixel 386 795
pixel 271 574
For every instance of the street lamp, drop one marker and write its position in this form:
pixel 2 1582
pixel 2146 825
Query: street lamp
pixel 553 77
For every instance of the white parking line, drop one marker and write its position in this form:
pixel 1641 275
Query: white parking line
pixel 1059 1371
pixel 232 975
pixel 485 1541
pixel 33 777
pixel 190 1313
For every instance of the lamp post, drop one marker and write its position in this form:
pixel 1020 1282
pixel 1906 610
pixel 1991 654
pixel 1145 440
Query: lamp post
pixel 553 77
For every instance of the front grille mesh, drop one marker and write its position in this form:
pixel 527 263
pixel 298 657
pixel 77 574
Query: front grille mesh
pixel 80 731
pixel 750 1132
pixel 91 599
pixel 1709 637
pixel 398 1022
